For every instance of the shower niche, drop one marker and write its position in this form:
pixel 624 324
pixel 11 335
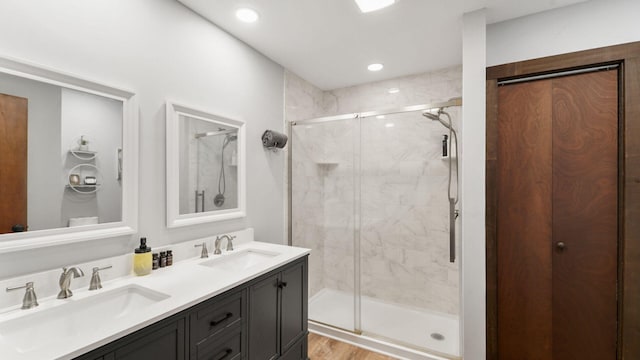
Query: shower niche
pixel 205 166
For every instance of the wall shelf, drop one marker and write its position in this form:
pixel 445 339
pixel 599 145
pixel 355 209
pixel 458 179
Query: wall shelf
pixel 84 155
pixel 83 171
pixel 83 188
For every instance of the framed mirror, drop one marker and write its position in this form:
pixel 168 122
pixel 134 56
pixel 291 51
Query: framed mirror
pixel 206 164
pixel 68 170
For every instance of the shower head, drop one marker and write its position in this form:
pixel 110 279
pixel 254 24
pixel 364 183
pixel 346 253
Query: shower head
pixel 229 138
pixel 433 116
pixel 436 117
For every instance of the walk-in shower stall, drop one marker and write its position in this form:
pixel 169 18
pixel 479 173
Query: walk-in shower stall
pixel 369 194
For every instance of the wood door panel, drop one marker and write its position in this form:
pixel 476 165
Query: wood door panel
pixel 13 162
pixel 585 216
pixel 629 313
pixel 524 228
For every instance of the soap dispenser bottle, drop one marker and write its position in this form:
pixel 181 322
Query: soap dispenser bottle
pixel 142 259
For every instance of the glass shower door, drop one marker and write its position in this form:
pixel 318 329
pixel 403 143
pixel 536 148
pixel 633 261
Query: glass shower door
pixel 409 289
pixel 324 190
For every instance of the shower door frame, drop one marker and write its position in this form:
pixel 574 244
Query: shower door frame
pixel 457 101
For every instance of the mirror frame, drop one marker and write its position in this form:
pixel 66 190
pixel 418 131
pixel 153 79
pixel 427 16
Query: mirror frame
pixel 129 221
pixel 174 218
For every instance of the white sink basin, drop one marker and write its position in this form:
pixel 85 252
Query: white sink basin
pixel 75 317
pixel 240 260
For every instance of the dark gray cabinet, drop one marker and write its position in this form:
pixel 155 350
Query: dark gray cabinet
pixel 167 342
pixel 263 319
pixel 297 351
pixel 216 327
pixel 278 313
pixel 264 310
pixel 294 305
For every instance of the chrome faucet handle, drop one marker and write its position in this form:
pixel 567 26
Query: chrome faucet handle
pixel 30 300
pixel 96 283
pixel 217 245
pixel 230 243
pixel 65 281
pixel 205 253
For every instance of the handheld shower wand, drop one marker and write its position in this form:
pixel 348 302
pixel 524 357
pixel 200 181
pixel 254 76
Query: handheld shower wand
pixel 453 200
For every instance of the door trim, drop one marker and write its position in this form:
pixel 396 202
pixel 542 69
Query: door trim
pixel 627 56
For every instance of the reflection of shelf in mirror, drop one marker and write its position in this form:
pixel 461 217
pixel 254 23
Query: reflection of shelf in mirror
pixel 84 154
pixel 84 188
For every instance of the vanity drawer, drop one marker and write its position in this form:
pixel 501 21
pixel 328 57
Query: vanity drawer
pixel 227 347
pixel 216 316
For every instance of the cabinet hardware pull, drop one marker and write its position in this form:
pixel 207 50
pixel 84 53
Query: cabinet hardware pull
pixel 282 284
pixel 224 354
pixel 216 322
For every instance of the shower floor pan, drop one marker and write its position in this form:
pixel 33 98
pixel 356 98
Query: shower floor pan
pixel 415 328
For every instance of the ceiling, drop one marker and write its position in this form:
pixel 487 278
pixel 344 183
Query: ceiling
pixel 330 42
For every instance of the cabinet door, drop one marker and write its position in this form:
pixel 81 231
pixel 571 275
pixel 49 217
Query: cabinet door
pixel 294 303
pixel 263 319
pixel 298 351
pixel 164 343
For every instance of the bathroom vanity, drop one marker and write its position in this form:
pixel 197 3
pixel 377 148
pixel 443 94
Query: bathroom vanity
pixel 265 318
pixel 249 303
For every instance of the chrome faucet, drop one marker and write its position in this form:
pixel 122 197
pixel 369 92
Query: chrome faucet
pixel 65 281
pixel 205 253
pixel 96 283
pixel 29 301
pixel 229 243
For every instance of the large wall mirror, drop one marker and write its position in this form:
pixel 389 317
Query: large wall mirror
pixel 68 164
pixel 205 167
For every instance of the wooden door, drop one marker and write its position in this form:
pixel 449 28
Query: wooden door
pixel 13 162
pixel 557 218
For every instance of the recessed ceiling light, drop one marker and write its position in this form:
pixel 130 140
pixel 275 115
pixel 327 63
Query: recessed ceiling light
pixel 393 91
pixel 375 67
pixel 247 15
pixel 389 125
pixel 380 117
pixel 373 5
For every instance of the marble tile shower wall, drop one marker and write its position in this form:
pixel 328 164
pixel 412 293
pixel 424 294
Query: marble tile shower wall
pixel 404 214
pixel 308 206
pixel 304 101
pixel 403 201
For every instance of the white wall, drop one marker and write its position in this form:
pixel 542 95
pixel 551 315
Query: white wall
pixel 160 50
pixel 588 25
pixel 473 187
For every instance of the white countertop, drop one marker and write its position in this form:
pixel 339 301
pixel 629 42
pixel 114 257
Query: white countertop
pixel 186 282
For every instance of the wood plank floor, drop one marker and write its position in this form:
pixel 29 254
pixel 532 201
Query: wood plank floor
pixel 324 348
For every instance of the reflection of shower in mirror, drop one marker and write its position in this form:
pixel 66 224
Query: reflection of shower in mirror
pixel 230 135
pixel 205 167
pixel 218 200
